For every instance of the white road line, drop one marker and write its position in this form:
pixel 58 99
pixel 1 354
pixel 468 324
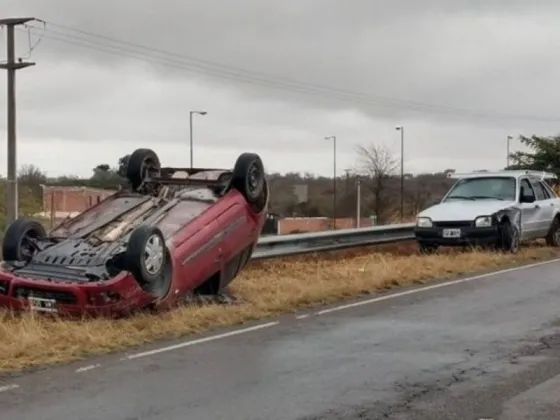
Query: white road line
pixel 432 287
pixel 8 387
pixel 200 341
pixel 86 368
pixel 302 316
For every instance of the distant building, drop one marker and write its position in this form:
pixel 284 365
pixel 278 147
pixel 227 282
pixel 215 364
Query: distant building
pixel 70 201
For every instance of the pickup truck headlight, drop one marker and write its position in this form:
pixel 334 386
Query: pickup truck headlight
pixel 423 222
pixel 483 221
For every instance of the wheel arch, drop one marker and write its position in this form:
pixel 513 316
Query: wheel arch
pixel 511 215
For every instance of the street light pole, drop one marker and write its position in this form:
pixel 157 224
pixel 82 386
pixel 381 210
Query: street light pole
pixel 191 130
pixel 509 138
pixel 333 138
pixel 401 129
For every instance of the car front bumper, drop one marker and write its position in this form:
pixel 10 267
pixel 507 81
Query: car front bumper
pixel 469 236
pixel 22 294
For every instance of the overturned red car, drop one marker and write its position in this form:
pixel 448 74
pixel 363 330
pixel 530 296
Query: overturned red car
pixel 173 232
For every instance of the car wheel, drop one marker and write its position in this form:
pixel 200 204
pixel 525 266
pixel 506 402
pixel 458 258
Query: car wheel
pixel 508 238
pixel 19 242
pixel 249 179
pixel 147 258
pixel 142 164
pixel 428 249
pixel 553 236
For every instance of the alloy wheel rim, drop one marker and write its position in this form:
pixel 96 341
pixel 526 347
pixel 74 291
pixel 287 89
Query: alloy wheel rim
pixel 153 254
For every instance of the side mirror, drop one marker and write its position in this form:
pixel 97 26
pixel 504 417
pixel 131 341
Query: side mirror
pixel 527 199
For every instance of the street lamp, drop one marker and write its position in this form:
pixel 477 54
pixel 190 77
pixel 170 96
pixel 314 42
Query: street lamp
pixel 401 129
pixel 191 130
pixel 333 138
pixel 509 138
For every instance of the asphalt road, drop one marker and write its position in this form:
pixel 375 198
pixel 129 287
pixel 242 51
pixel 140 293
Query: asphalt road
pixel 487 348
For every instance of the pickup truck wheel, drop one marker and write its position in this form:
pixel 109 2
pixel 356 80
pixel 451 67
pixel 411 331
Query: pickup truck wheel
pixel 249 179
pixel 428 249
pixel 553 236
pixel 19 239
pixel 508 238
pixel 147 258
pixel 142 164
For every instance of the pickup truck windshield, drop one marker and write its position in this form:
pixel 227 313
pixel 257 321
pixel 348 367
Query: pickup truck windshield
pixel 483 188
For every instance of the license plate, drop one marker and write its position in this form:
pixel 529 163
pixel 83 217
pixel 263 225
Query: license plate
pixel 42 305
pixel 451 233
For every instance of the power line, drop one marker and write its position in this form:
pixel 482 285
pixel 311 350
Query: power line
pixel 157 56
pixel 206 64
pixel 180 65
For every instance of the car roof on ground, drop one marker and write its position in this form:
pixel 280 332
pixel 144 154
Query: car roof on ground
pixel 504 173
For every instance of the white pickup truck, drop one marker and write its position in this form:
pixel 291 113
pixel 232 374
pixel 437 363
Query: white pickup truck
pixel 499 209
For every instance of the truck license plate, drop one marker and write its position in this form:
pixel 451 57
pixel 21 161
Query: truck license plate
pixel 42 305
pixel 451 233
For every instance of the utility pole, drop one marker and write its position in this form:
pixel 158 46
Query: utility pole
pixel 191 130
pixel 401 129
pixel 333 138
pixel 11 66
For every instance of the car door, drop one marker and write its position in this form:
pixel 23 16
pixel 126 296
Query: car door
pixel 234 225
pixel 530 212
pixel 545 204
pixel 197 249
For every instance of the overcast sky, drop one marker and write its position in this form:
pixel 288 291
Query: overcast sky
pixel 276 77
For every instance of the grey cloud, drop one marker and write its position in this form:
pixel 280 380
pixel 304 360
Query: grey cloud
pixel 468 54
pixel 492 56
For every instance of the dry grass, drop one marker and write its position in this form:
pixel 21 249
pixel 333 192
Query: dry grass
pixel 263 289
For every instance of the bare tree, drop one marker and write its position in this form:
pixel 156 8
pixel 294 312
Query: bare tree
pixel 376 165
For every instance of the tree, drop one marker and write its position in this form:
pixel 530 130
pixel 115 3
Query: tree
pixel 30 176
pixel 544 154
pixel 106 177
pixel 376 165
pixel 123 162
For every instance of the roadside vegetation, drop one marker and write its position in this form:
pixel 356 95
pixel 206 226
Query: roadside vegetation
pixel 264 289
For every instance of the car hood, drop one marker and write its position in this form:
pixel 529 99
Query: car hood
pixel 464 209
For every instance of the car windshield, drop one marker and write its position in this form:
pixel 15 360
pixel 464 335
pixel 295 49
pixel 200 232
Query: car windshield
pixel 483 188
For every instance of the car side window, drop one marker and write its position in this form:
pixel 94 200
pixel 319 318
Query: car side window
pixel 539 193
pixel 526 189
pixel 550 189
pixel 540 189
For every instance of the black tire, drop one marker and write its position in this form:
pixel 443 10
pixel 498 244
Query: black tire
pixel 250 180
pixel 428 249
pixel 154 276
pixel 508 238
pixel 553 236
pixel 141 164
pixel 19 237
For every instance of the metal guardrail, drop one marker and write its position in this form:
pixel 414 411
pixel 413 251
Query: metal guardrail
pixel 274 246
pixel 302 243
